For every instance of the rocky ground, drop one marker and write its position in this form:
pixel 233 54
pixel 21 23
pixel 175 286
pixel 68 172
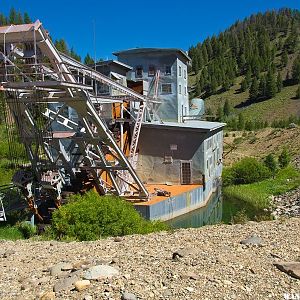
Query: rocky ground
pixel 287 205
pixel 205 263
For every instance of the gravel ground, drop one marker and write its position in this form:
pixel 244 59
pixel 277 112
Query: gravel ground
pixel 211 264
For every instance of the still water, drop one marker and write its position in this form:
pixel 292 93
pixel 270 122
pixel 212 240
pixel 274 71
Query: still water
pixel 212 213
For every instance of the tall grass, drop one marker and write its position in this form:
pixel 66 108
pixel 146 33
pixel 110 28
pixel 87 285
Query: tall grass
pixel 254 198
pixel 10 233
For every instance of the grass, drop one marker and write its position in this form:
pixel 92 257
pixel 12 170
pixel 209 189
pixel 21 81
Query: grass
pixel 280 107
pixel 10 233
pixel 254 198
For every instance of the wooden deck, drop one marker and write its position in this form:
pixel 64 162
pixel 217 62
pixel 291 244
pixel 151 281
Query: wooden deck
pixel 173 189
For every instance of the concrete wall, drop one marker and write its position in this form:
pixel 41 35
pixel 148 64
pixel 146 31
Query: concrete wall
pixel 177 205
pixel 201 149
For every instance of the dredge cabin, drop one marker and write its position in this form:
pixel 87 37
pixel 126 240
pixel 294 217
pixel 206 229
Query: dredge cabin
pixel 179 153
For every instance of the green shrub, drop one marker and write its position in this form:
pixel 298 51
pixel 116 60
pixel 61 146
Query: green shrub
pixel 26 229
pixel 90 217
pixel 284 158
pixel 248 170
pixel 228 176
pixel 271 163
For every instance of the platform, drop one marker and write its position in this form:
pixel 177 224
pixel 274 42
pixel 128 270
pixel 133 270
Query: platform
pixel 183 199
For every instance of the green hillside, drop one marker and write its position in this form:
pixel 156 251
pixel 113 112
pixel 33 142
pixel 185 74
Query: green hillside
pixel 253 67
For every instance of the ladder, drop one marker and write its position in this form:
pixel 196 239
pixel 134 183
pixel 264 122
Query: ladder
pixel 2 211
pixel 137 130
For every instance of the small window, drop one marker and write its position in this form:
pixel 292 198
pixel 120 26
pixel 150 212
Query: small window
pixel 179 71
pixel 168 70
pixel 186 172
pixel 185 90
pixel 151 71
pixel 139 72
pixel 179 89
pixel 166 88
pixel 184 73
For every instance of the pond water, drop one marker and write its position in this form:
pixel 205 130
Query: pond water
pixel 212 213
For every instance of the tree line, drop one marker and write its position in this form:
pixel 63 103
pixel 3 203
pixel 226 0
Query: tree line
pixel 249 48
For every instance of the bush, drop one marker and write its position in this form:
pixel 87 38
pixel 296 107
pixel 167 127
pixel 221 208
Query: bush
pixel 284 158
pixel 271 163
pixel 90 217
pixel 26 229
pixel 248 170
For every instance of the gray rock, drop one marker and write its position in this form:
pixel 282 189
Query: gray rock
pixel 291 268
pixel 117 239
pixel 183 252
pixel 60 267
pixel 128 296
pixel 67 267
pixel 100 271
pixel 65 284
pixel 252 240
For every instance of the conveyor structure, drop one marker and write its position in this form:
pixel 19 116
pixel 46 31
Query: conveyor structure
pixel 58 115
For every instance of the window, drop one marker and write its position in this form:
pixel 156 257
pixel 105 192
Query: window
pixel 151 71
pixel 184 72
pixel 185 90
pixel 179 89
pixel 139 72
pixel 168 70
pixel 186 172
pixel 166 88
pixel 179 72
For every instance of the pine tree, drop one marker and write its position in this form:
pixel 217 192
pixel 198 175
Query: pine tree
pixel 19 18
pixel 271 87
pixel 284 59
pixel 3 20
pixel 279 82
pixel 262 87
pixel 254 92
pixel 226 108
pixel 12 19
pixel 88 60
pixel 244 85
pixel 296 70
pixel 248 77
pixel 226 84
pixel 61 46
pixel 298 93
pixel 74 55
pixel 26 18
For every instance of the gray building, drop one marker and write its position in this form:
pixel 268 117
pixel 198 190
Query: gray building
pixel 115 70
pixel 173 78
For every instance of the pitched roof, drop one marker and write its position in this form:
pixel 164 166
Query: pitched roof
pixel 157 50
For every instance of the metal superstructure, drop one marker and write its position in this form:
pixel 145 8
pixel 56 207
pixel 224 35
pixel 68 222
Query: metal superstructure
pixel 58 114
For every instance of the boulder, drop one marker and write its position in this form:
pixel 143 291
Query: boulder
pixel 252 240
pixel 65 284
pixel 99 272
pixel 47 296
pixel 292 268
pixel 128 296
pixel 81 285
